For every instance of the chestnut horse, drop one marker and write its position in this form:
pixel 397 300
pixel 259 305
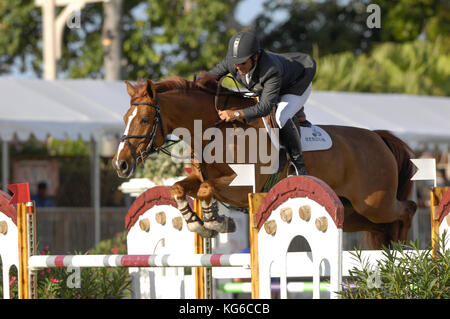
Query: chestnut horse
pixel 369 170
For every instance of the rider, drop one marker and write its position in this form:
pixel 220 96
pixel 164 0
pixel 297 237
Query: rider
pixel 282 81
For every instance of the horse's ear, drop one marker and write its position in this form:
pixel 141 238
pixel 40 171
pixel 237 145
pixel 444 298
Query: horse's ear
pixel 130 89
pixel 151 89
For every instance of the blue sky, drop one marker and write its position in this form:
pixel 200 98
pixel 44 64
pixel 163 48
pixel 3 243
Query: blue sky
pixel 247 10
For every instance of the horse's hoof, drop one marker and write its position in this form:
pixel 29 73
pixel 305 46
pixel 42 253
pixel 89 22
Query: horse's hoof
pixel 200 229
pixel 222 224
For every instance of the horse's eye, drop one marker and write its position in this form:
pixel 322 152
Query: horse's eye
pixel 145 120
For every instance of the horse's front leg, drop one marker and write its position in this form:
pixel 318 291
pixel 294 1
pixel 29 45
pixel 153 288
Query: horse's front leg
pixel 210 210
pixel 190 185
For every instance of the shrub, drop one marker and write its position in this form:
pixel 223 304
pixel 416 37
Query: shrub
pixel 405 273
pixel 414 67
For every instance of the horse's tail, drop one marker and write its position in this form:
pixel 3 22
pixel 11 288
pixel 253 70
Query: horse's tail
pixel 402 153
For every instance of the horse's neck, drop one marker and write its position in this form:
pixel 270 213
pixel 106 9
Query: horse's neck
pixel 180 110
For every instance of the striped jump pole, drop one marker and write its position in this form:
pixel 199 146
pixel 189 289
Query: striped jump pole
pixel 179 260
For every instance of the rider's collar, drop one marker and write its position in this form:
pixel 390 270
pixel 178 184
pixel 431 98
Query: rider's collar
pixel 249 75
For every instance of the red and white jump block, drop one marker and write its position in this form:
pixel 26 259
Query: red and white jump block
pixel 300 206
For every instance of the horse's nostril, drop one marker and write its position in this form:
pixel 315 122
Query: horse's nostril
pixel 123 166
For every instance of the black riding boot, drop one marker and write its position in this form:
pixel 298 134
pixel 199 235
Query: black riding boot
pixel 290 138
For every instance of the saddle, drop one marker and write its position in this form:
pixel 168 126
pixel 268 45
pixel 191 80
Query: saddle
pixel 313 138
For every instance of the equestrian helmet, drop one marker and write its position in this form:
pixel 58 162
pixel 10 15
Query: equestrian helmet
pixel 242 46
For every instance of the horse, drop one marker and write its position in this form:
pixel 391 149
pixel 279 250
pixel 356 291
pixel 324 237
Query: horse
pixel 369 170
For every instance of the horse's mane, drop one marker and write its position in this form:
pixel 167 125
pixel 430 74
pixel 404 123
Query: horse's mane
pixel 206 82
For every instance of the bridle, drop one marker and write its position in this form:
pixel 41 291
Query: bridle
pixel 150 149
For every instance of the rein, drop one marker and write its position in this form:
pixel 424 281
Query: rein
pixel 219 85
pixel 216 97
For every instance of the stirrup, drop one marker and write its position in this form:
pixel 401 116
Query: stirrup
pixel 296 170
pixel 289 170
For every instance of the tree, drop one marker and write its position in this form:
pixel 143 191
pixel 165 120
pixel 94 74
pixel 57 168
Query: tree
pixel 20 32
pixel 405 20
pixel 414 67
pixel 160 37
pixel 112 39
pixel 179 37
pixel 335 26
pixel 327 25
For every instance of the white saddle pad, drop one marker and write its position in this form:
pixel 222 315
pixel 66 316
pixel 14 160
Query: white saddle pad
pixel 315 139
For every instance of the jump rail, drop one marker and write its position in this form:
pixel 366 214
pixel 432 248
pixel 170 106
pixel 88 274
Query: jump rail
pixel 179 260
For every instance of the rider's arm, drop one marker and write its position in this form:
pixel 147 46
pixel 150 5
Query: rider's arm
pixel 308 74
pixel 268 99
pixel 220 69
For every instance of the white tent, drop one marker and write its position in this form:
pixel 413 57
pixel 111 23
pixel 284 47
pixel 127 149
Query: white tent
pixel 95 108
pixel 62 108
pixel 420 120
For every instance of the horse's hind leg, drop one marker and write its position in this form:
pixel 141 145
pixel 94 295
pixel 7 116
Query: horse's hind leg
pixel 193 222
pixel 410 208
pixel 397 215
pixel 354 222
pixel 210 210
pixel 401 216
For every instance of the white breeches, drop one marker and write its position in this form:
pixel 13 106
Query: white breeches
pixel 289 105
